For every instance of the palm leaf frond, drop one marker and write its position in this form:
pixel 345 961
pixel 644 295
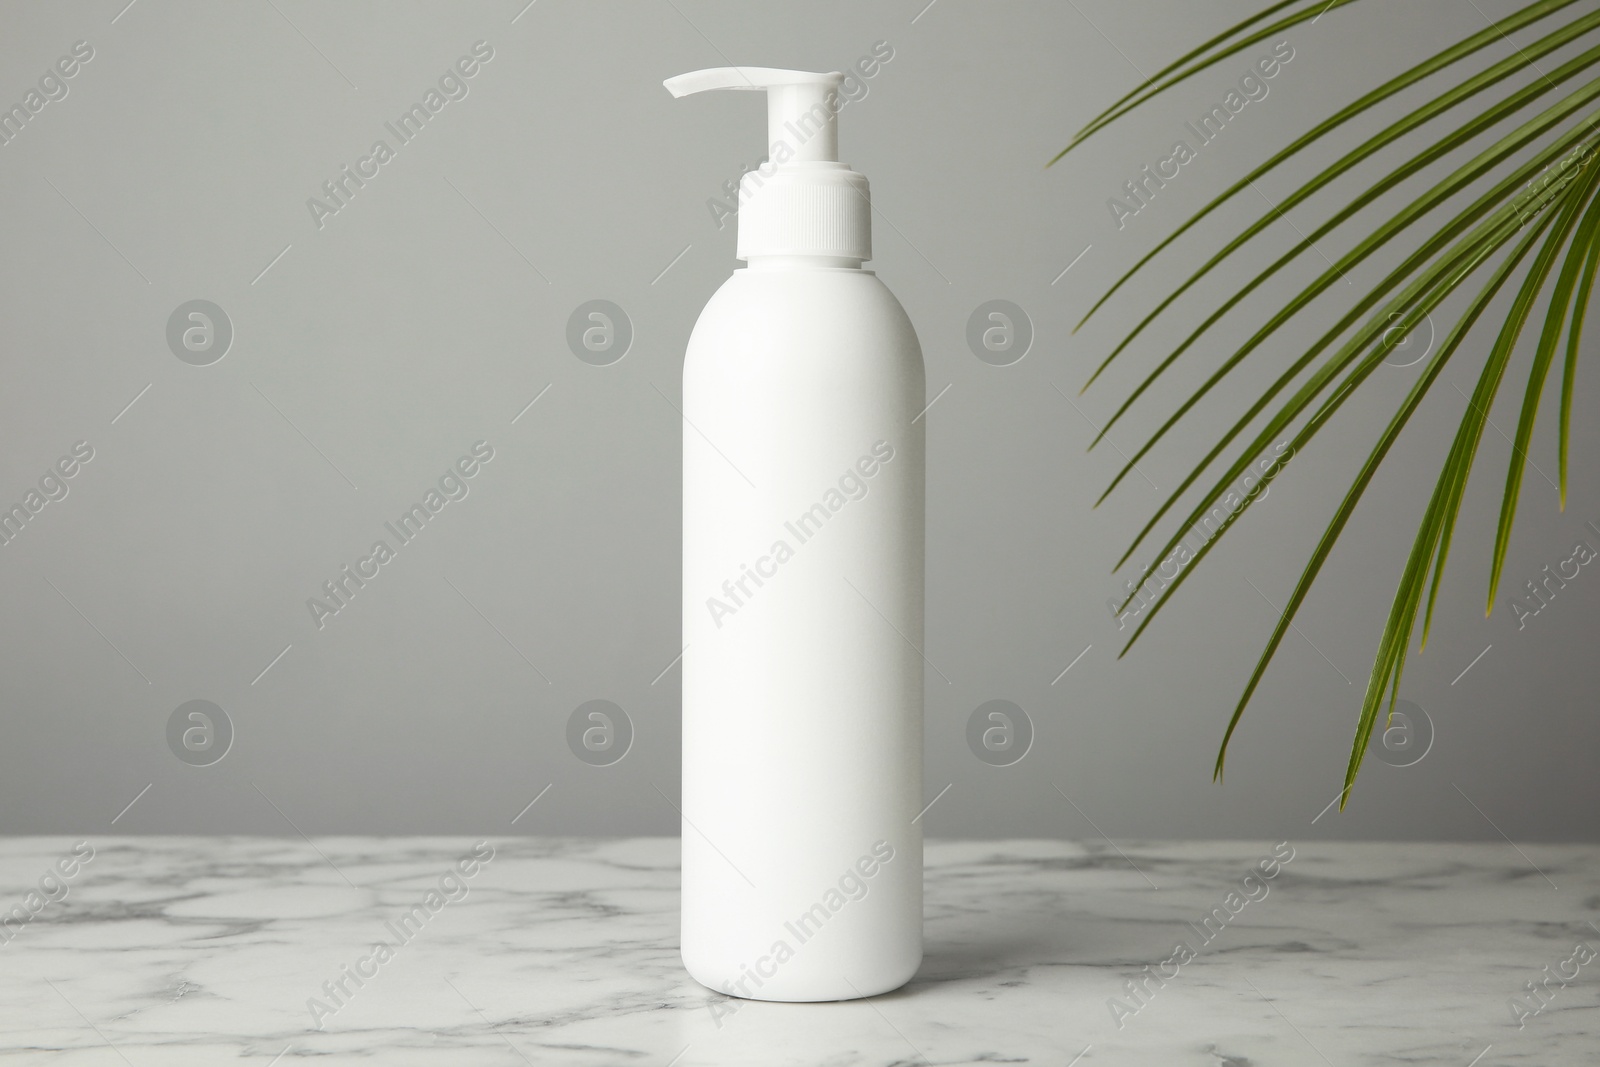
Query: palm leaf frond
pixel 1497 195
pixel 1490 35
pixel 1515 212
pixel 1160 76
pixel 1389 135
pixel 1445 506
pixel 1555 319
pixel 1172 75
pixel 1461 179
pixel 1352 496
pixel 1570 370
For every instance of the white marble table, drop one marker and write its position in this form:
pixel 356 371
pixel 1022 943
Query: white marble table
pixel 173 951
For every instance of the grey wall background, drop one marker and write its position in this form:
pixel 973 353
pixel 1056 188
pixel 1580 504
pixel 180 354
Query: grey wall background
pixel 369 354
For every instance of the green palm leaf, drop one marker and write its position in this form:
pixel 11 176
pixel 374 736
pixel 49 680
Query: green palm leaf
pixel 1418 298
pixel 1498 194
pixel 1462 178
pixel 1476 125
pixel 1570 369
pixel 1560 298
pixel 1513 211
pixel 1488 36
pixel 1451 488
pixel 1397 423
pixel 1171 75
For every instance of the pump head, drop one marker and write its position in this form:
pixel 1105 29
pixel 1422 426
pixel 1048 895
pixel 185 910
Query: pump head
pixel 798 105
pixel 801 200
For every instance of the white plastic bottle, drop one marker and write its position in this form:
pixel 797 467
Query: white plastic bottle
pixel 803 485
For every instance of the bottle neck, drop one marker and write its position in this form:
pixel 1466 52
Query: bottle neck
pixel 766 263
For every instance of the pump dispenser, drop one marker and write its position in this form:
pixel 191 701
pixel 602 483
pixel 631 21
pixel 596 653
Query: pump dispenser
pixel 803 500
pixel 802 201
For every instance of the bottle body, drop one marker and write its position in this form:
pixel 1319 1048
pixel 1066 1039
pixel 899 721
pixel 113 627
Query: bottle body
pixel 803 553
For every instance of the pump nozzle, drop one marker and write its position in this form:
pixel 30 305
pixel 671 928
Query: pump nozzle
pixel 820 207
pixel 799 112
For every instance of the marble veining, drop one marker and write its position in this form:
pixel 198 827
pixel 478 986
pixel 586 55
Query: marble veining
pixel 170 951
